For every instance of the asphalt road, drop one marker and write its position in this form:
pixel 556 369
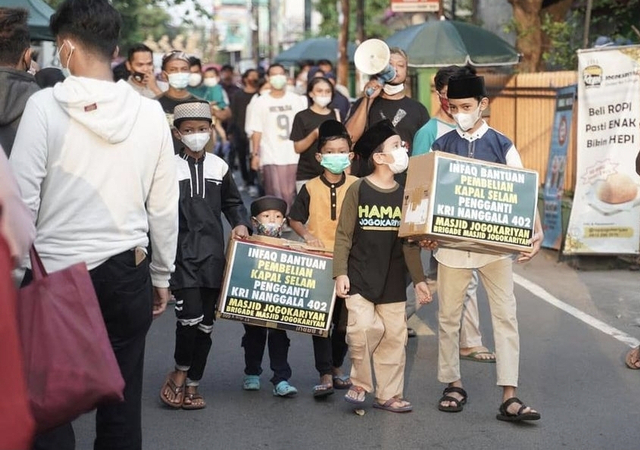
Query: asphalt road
pixel 570 371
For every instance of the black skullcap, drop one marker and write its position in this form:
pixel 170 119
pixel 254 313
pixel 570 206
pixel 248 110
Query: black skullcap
pixel 268 203
pixel 332 129
pixel 373 137
pixel 466 87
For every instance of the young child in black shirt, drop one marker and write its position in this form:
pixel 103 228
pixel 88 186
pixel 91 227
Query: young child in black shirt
pixel 267 214
pixel 314 216
pixel 207 190
pixel 368 266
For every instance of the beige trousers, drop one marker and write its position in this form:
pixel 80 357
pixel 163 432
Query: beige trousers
pixel 470 335
pixel 497 278
pixel 377 334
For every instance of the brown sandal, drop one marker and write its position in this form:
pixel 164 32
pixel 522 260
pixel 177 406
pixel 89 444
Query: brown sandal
pixel 193 400
pixel 178 392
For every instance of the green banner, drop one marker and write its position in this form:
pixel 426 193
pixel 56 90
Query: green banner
pixel 483 202
pixel 280 288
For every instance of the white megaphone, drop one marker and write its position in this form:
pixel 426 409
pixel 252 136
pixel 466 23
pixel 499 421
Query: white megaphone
pixel 372 58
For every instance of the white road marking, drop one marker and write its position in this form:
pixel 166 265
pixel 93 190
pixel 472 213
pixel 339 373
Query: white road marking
pixel 539 292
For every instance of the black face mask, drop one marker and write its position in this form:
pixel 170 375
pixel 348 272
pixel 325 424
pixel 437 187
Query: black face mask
pixel 138 76
pixel 253 83
pixel 26 65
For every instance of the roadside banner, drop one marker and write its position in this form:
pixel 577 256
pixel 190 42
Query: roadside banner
pixel 556 168
pixel 270 285
pixel 605 217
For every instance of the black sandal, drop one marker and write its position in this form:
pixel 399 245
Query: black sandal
pixel 519 416
pixel 459 403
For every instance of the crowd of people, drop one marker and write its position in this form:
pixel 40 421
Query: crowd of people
pixel 101 171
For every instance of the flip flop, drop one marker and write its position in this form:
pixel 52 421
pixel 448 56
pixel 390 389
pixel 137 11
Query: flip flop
pixel 178 391
pixel 519 416
pixel 192 398
pixel 360 395
pixel 386 406
pixel 459 403
pixel 632 358
pixel 473 356
pixel 342 382
pixel 322 390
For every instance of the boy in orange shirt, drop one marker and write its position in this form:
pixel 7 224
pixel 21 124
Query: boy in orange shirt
pixel 318 206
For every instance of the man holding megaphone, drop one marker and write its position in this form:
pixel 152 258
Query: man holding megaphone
pixel 384 95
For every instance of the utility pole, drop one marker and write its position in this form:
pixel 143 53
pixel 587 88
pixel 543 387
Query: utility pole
pixel 360 36
pixel 587 24
pixel 307 16
pixel 255 32
pixel 343 38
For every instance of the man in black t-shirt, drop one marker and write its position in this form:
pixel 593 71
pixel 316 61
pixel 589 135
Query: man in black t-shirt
pixel 175 67
pixel 388 102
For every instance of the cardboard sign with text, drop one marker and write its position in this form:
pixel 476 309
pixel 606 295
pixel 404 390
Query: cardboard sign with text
pixel 278 283
pixel 469 204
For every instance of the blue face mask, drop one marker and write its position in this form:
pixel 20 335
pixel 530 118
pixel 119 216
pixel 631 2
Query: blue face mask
pixel 335 162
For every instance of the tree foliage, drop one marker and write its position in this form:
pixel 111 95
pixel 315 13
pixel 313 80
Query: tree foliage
pixel 549 32
pixel 373 26
pixel 143 18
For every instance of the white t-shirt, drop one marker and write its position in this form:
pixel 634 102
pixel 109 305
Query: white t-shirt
pixel 273 117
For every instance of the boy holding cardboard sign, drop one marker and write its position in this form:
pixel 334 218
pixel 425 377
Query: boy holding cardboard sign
pixel 473 138
pixel 369 267
pixel 268 216
pixel 318 206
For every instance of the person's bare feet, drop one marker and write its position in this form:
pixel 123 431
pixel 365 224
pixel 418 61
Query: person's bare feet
pixel 326 380
pixel 445 404
pixel 172 392
pixel 480 353
pixel 193 399
pixel 633 358
pixel 514 407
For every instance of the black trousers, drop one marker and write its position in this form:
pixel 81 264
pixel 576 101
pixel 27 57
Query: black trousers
pixel 125 295
pixel 195 309
pixel 241 148
pixel 330 352
pixel 254 341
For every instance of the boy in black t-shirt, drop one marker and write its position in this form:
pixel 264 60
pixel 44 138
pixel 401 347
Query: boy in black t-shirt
pixel 368 266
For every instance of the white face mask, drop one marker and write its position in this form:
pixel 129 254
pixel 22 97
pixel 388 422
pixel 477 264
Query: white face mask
pixel 195 79
pixel 393 89
pixel 179 80
pixel 400 160
pixel 65 70
pixel 195 141
pixel 321 100
pixel 278 82
pixel 466 121
pixel 210 82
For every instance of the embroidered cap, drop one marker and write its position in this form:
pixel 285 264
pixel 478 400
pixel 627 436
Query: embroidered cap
pixel 196 110
pixel 466 87
pixel 373 137
pixel 267 203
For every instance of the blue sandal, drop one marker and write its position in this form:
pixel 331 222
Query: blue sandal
pixel 251 383
pixel 284 389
